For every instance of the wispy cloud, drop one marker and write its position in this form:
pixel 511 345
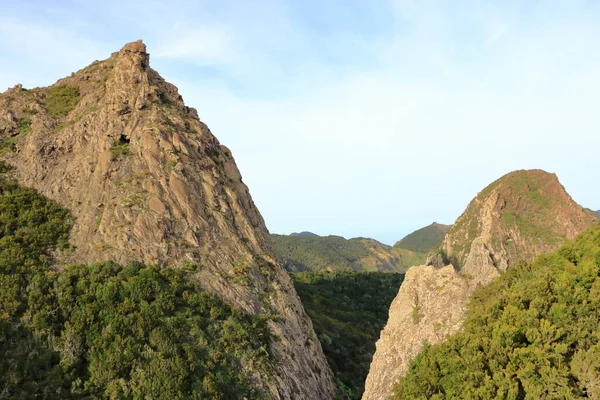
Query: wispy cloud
pixel 205 46
pixel 495 32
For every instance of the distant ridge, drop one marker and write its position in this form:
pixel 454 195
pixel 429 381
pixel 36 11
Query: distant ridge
pixel 425 239
pixel 304 234
pixel 306 251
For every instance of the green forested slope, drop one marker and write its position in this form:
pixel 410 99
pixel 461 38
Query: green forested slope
pixel 424 239
pixel 348 310
pixel 335 253
pixel 315 253
pixel 111 331
pixel 533 333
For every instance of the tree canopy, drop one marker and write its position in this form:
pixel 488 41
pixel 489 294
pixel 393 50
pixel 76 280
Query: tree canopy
pixel 348 310
pixel 112 331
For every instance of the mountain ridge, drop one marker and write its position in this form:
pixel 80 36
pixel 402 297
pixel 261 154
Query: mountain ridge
pixel 315 253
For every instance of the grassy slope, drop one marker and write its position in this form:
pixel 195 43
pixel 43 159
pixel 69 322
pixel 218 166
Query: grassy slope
pixel 348 310
pixel 424 239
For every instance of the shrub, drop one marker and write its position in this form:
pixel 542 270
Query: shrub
pixel 24 125
pixel 61 100
pixel 120 150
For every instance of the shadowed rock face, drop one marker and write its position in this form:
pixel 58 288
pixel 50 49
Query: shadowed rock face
pixel 146 180
pixel 521 215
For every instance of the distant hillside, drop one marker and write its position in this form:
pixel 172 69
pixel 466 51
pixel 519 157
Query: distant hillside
pixel 597 213
pixel 304 234
pixel 348 310
pixel 424 239
pixel 335 253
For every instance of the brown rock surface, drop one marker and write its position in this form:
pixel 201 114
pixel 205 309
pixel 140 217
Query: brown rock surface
pixel 429 306
pixel 519 216
pixel 146 180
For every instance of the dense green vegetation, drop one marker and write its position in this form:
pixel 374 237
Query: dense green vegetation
pixel 533 333
pixel 111 331
pixel 61 100
pixel 425 239
pixel 348 310
pixel 315 253
pixel 305 252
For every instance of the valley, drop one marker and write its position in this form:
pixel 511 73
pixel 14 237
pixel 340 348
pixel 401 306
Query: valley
pixel 135 264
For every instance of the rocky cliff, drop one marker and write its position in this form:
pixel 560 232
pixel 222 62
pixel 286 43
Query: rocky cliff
pixel 521 215
pixel 146 180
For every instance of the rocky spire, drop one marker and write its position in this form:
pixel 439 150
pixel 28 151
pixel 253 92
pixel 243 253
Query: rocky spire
pixel 146 180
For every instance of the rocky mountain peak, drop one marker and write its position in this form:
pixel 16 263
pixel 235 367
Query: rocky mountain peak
pixel 519 216
pixel 138 47
pixel 147 181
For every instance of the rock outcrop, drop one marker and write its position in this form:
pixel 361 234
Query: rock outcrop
pixel 430 305
pixel 146 180
pixel 521 215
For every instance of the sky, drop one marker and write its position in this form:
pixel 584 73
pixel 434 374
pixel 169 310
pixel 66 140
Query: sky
pixel 354 118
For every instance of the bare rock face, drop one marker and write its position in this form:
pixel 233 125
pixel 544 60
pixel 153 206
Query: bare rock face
pixel 146 180
pixel 430 305
pixel 521 215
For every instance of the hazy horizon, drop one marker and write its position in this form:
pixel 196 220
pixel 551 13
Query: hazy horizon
pixel 350 118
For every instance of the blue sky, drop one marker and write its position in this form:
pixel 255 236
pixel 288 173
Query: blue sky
pixel 357 118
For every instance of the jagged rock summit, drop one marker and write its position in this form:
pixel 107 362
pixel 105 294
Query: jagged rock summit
pixel 519 216
pixel 146 180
